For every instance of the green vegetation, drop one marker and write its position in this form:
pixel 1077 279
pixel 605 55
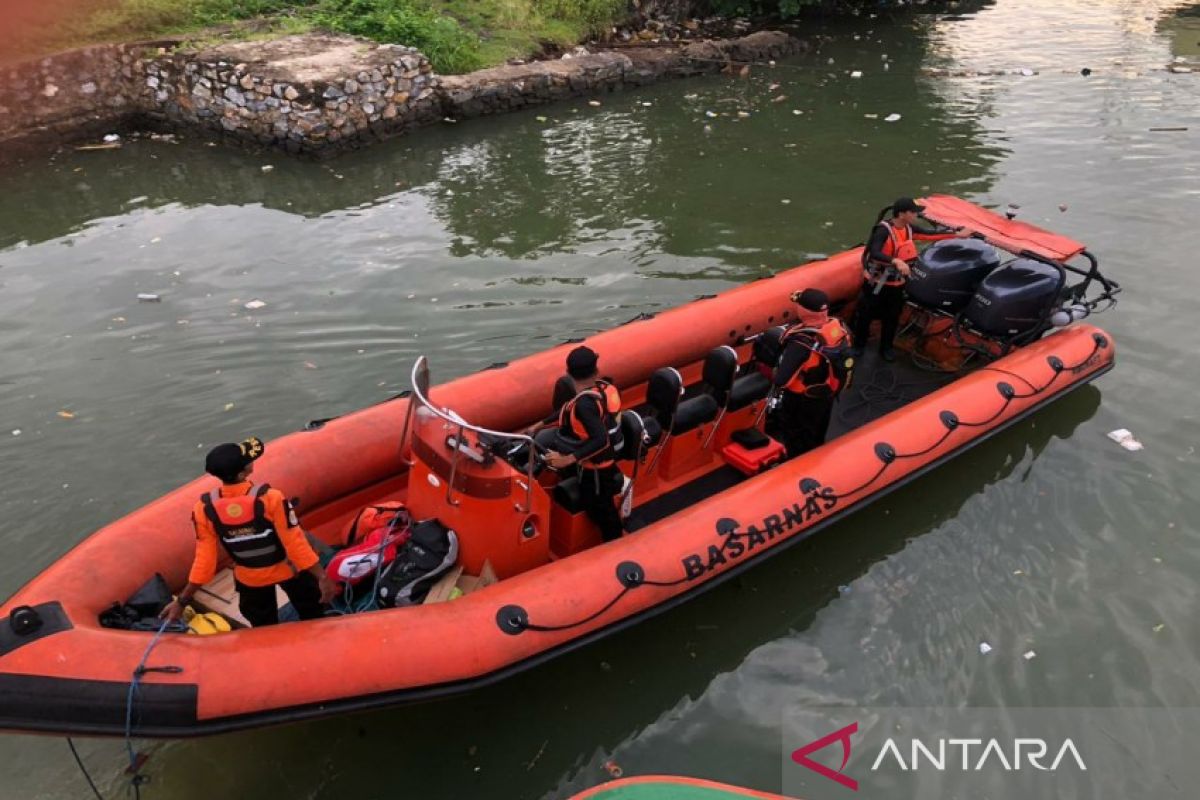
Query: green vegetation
pixel 456 35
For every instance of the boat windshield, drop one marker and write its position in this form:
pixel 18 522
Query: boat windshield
pixel 421 409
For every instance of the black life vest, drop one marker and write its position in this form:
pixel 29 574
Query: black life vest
pixel 243 528
pixel 828 346
pixel 571 428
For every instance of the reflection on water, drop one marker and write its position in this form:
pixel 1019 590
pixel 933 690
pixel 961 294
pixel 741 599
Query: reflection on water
pixel 485 240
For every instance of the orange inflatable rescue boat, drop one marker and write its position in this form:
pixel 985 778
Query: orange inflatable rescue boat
pixel 993 321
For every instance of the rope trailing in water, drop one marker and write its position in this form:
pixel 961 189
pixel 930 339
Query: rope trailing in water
pixel 513 619
pixel 136 760
pixel 86 776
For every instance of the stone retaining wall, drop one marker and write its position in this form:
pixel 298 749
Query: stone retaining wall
pixel 317 94
pixel 306 94
pixel 69 96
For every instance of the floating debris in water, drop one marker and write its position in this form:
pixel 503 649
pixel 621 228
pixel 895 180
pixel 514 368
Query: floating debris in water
pixel 112 137
pixel 268 167
pixel 148 297
pixel 1126 439
pixel 594 103
pixel 1029 655
pixel 856 74
pixel 254 304
pixel 892 118
pixel 985 648
pixel 16 432
pixel 229 406
pixel 66 414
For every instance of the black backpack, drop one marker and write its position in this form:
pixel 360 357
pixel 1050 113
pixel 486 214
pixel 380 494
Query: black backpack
pixel 430 551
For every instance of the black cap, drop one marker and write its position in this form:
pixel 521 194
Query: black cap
pixel 811 299
pixel 906 204
pixel 226 461
pixel 581 362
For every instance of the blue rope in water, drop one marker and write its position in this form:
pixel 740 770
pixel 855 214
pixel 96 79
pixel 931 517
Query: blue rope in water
pixel 137 779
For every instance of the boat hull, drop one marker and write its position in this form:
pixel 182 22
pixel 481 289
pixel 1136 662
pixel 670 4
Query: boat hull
pixel 73 676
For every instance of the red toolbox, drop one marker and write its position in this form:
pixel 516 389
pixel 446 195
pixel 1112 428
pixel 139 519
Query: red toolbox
pixel 752 462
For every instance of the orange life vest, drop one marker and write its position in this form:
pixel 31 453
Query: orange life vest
pixel 243 528
pixel 899 244
pixel 829 346
pixel 610 406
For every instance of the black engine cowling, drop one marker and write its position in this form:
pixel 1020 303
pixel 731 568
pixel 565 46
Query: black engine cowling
pixel 1015 298
pixel 948 272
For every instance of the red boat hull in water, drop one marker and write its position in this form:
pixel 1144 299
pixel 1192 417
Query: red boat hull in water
pixel 558 587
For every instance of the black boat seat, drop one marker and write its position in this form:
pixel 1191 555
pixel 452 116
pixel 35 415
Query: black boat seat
pixel 720 369
pixel 695 412
pixel 638 434
pixel 749 388
pixel 564 390
pixel 567 494
pixel 662 395
pixel 766 347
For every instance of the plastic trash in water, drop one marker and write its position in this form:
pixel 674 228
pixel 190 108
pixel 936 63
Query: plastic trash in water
pixel 892 118
pixel 1125 438
pixel 254 305
pixel 267 167
pixel 985 648
pixel 148 297
pixel 1029 655
pixel 112 137
pixel 856 74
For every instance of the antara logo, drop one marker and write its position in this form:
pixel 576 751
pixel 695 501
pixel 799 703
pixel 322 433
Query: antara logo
pixel 801 756
pixel 969 755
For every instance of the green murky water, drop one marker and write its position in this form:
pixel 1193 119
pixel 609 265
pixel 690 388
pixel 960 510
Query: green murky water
pixel 485 240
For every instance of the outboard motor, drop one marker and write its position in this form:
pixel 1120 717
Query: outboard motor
pixel 948 272
pixel 1016 298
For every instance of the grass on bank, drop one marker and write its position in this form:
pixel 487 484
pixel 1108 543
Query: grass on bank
pixel 457 35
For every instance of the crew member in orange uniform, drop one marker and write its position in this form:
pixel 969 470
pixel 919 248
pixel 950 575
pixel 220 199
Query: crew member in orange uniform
pixel 890 250
pixel 257 527
pixel 588 424
pixel 815 365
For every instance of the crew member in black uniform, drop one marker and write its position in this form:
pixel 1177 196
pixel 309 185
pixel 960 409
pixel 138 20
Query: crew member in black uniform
pixel 815 365
pixel 890 250
pixel 588 422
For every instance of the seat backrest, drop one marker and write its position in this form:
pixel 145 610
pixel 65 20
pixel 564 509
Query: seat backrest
pixel 632 433
pixel 564 390
pixel 766 347
pixel 720 370
pixel 663 392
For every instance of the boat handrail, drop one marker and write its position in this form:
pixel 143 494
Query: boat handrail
pixel 420 385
